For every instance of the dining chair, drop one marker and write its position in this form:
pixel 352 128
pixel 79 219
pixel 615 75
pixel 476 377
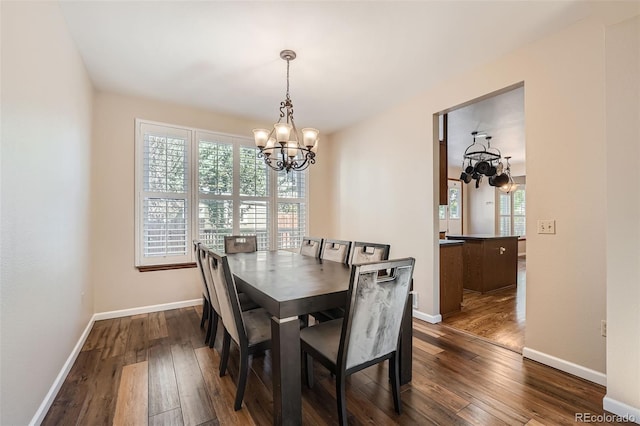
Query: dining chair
pixel 240 244
pixel 335 250
pixel 246 304
pixel 311 246
pixel 362 252
pixel 370 331
pixel 250 330
pixel 206 297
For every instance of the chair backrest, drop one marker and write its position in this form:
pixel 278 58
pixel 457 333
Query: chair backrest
pixel 335 250
pixel 375 307
pixel 199 261
pixel 311 246
pixel 368 252
pixel 203 264
pixel 240 244
pixel 227 297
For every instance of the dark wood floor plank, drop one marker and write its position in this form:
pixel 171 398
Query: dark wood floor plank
pixel 157 326
pixel 163 388
pixel 477 416
pixel 100 403
pixel 73 392
pixel 221 389
pixel 138 342
pixel 195 402
pixel 98 335
pixel 458 379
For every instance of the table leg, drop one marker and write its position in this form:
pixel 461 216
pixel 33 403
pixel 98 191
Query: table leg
pixel 287 394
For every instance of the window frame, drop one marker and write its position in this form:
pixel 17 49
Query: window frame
pixel 194 196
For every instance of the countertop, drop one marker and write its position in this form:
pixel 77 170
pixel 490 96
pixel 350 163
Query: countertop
pixel 480 237
pixel 451 242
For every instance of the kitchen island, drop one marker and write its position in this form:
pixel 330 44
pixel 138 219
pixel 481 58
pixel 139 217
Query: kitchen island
pixel 490 261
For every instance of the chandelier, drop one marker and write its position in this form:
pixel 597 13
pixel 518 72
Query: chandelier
pixel 291 151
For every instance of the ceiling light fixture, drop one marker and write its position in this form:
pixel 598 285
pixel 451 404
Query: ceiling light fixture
pixel 294 153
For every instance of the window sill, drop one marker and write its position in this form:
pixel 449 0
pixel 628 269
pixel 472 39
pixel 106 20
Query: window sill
pixel 151 268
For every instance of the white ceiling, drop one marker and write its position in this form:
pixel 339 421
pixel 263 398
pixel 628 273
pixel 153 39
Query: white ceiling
pixel 501 117
pixel 354 58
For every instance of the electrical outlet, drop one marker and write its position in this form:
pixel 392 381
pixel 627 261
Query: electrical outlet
pixel 546 226
pixel 603 328
pixel 415 299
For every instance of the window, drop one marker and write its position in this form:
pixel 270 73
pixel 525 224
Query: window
pixel 511 209
pixel 194 184
pixel 454 203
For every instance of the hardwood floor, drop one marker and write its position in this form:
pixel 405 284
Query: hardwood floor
pixel 497 316
pixel 154 369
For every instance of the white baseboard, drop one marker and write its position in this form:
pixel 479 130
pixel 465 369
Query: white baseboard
pixel 62 375
pixel 146 309
pixel 566 366
pixel 433 319
pixel 57 384
pixel 621 409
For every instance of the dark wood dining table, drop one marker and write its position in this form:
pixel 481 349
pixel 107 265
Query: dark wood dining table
pixel 288 285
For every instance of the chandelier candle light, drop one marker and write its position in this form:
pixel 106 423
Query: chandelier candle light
pixel 294 153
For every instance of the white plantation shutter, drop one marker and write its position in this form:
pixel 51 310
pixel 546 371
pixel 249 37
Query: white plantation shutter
pixel 195 184
pixel 512 212
pixel 163 199
pixel 292 209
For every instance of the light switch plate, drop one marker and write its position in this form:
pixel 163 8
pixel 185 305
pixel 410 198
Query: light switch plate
pixel 546 226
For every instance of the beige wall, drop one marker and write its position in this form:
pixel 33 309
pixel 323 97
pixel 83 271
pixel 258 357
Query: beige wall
pixel 47 299
pixel 388 194
pixel 623 225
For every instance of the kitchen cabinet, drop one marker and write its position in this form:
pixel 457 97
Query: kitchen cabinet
pixel 451 271
pixel 490 262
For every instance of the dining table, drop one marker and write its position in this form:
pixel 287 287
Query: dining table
pixel 289 285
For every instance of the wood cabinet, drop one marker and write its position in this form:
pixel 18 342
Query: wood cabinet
pixel 490 262
pixel 451 275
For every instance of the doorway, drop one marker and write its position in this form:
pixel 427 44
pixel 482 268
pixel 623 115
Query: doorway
pixel 477 204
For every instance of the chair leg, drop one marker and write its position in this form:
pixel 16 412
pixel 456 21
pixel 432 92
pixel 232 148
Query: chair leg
pixel 205 311
pixel 394 368
pixel 242 380
pixel 213 327
pixel 308 369
pixel 341 398
pixel 225 353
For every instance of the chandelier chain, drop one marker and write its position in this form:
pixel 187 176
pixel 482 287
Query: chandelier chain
pixel 288 79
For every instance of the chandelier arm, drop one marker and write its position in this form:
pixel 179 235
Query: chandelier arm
pixel 295 130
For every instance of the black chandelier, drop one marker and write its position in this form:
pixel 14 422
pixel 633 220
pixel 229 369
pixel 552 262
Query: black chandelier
pixel 294 153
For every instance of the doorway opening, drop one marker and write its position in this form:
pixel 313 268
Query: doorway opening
pixel 482 217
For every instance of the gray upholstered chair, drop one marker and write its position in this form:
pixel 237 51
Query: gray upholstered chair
pixel 370 331
pixel 311 246
pixel 212 305
pixel 240 244
pixel 360 253
pixel 368 252
pixel 250 330
pixel 335 250
pixel 206 297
